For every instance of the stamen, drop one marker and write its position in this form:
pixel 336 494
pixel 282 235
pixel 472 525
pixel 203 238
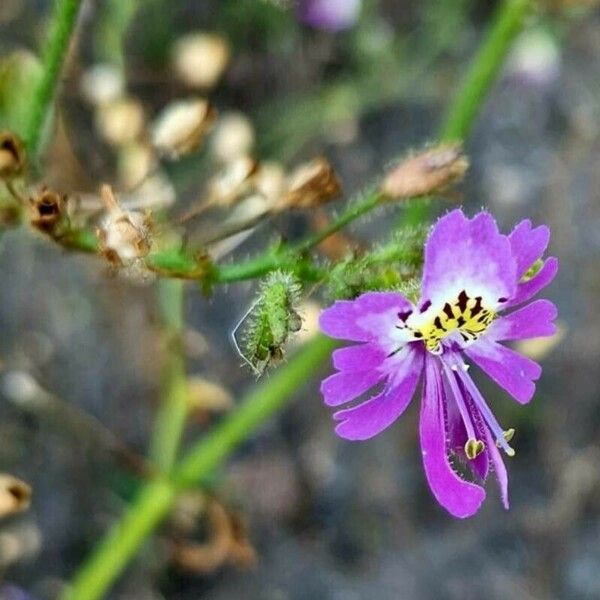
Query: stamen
pixel 473 448
pixel 508 435
pixel 484 409
pixel 460 402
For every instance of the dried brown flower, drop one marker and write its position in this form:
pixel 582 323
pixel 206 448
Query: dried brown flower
pixel 15 495
pixel 310 185
pixel 48 211
pixel 12 156
pixel 428 172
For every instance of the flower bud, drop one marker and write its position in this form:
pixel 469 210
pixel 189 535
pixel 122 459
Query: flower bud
pixel 200 59
pixel 120 121
pixel 425 173
pixel 48 211
pixel 12 156
pixel 271 321
pixel 310 185
pixel 124 235
pixel 180 128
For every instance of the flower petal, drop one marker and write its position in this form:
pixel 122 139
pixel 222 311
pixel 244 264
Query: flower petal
pixel 498 467
pixel 459 497
pixel 347 385
pixel 360 357
pixel 528 244
pixel 470 255
pixel 533 320
pixel 373 416
pixel 528 289
pixel 509 369
pixel 372 317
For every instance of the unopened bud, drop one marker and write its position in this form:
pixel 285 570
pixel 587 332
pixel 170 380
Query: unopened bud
pixel 48 211
pixel 180 128
pixel 124 235
pixel 310 185
pixel 233 137
pixel 15 495
pixel 121 121
pixel 426 173
pixel 12 156
pixel 200 59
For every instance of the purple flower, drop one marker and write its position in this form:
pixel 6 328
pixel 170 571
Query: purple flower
pixel 333 15
pixel 476 282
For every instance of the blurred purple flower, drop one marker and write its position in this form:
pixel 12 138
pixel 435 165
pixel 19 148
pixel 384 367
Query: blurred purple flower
pixel 472 276
pixel 332 15
pixel 12 592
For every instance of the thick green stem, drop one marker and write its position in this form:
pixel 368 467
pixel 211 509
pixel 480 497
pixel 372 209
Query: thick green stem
pixel 144 515
pixel 172 414
pixel 62 26
pixel 157 497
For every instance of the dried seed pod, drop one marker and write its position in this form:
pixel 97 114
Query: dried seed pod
pixel 120 121
pixel 309 185
pixel 206 397
pixel 233 137
pixel 12 156
pixel 233 181
pixel 180 128
pixel 15 495
pixel 49 214
pixel 135 162
pixel 124 235
pixel 102 83
pixel 200 59
pixel 428 172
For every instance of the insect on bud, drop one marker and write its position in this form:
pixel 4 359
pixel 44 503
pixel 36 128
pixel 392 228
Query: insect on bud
pixel 425 173
pixel 180 128
pixel 310 185
pixel 124 235
pixel 270 322
pixel 48 211
pixel 12 156
pixel 200 59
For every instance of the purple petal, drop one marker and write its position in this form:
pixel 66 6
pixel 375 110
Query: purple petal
pixel 528 245
pixel 372 317
pixel 333 15
pixel 373 416
pixel 498 468
pixel 470 255
pixel 527 290
pixel 362 357
pixel 347 385
pixel 459 497
pixel 509 369
pixel 533 320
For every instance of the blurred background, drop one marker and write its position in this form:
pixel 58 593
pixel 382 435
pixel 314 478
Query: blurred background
pixel 316 517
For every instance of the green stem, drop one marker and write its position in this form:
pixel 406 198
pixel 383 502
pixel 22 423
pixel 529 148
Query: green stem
pixel 172 414
pixel 62 25
pixel 156 498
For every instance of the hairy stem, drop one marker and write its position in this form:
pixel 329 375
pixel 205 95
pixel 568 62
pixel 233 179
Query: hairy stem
pixel 62 26
pixel 156 498
pixel 172 414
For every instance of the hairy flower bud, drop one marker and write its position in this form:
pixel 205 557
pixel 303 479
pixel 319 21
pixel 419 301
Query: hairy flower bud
pixel 12 156
pixel 181 126
pixel 310 185
pixel 124 235
pixel 425 173
pixel 271 321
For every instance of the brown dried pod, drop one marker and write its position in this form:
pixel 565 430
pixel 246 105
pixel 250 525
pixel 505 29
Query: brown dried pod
pixel 180 128
pixel 425 173
pixel 309 185
pixel 13 159
pixel 15 495
pixel 124 235
pixel 48 211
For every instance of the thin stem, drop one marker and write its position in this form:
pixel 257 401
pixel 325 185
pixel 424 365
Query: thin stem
pixel 172 414
pixel 156 498
pixel 62 26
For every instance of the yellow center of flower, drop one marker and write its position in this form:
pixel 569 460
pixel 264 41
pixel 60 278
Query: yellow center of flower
pixel 466 315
